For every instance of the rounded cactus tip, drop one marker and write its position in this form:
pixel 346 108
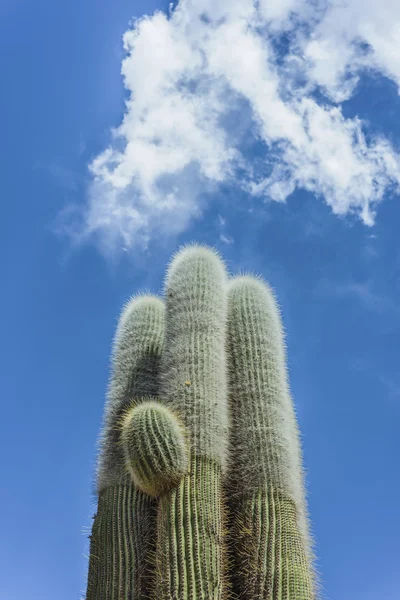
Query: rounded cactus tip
pixel 155 447
pixel 248 281
pixel 141 303
pixel 186 256
pixel 252 300
pixel 255 287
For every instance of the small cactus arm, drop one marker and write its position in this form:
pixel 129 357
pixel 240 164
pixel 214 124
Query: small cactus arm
pixel 155 447
pixel 189 553
pixel 124 527
pixel 270 544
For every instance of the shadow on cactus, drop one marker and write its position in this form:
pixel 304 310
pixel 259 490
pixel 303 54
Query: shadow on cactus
pixel 200 477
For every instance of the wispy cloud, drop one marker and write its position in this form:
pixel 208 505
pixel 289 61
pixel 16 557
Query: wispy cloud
pixel 391 385
pixel 223 236
pixel 226 239
pixel 364 292
pixel 214 79
pixel 388 379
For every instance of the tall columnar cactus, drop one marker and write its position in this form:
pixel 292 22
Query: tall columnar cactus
pixel 189 543
pixel 200 478
pixel 271 548
pixel 124 527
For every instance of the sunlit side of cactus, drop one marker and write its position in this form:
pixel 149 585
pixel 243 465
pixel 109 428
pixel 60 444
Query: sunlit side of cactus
pixel 270 543
pixel 190 557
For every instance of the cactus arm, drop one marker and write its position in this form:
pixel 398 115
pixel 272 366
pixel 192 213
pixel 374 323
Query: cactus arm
pixel 122 540
pixel 136 358
pixel 269 529
pixel 155 447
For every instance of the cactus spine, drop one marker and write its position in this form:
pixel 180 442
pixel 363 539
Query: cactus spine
pixel 124 527
pixel 189 543
pixel 269 531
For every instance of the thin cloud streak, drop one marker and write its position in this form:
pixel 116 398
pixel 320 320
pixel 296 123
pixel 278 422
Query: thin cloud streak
pixel 364 292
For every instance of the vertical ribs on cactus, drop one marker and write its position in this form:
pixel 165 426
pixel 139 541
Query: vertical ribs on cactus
pixel 200 476
pixel 269 535
pixel 124 528
pixel 155 447
pixel 190 518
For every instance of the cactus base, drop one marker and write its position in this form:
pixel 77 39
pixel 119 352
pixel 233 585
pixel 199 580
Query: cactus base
pixel 121 545
pixel 190 556
pixel 269 554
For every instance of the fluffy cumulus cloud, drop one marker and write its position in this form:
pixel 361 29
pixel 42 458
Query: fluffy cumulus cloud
pixel 215 84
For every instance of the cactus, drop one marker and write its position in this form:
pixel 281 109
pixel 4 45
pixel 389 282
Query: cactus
pixel 155 448
pixel 124 527
pixel 201 493
pixel 189 545
pixel 271 549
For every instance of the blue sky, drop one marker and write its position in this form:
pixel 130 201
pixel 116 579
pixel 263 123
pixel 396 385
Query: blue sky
pixel 272 135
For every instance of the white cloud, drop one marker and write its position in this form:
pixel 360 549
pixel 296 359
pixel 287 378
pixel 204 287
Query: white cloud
pixel 209 79
pixel 354 35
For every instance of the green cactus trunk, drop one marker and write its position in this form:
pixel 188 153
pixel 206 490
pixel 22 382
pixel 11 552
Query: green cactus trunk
pixel 122 540
pixel 189 552
pixel 270 544
pixel 270 561
pixel 189 532
pixel 124 528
